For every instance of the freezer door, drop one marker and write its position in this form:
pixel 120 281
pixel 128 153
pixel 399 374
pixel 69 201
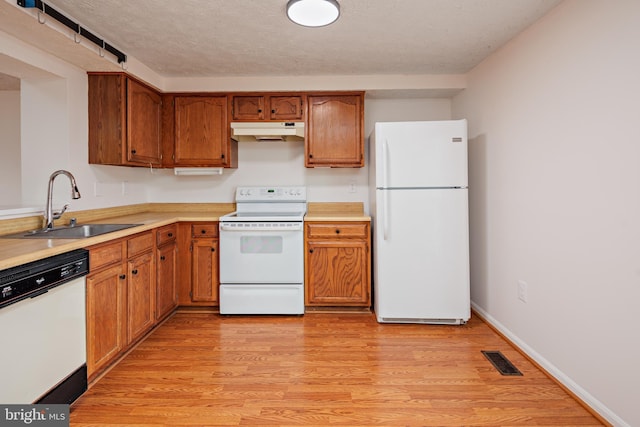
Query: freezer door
pixel 420 154
pixel 421 249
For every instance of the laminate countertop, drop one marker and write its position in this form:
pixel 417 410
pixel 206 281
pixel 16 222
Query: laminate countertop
pixel 335 211
pixel 15 252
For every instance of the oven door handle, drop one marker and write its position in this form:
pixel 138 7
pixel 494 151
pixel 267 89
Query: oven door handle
pixel 261 228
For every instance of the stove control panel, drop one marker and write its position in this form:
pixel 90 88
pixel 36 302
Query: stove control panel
pixel 295 193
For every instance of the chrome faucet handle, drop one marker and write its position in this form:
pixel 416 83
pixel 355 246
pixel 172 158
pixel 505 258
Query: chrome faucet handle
pixel 49 215
pixel 57 215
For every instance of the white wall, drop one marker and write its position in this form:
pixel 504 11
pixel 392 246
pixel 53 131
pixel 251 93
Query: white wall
pixel 402 110
pixel 554 152
pixel 53 125
pixel 553 166
pixel 10 188
pixel 273 163
pixel 45 138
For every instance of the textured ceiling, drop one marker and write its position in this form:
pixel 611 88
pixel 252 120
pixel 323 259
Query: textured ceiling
pixel 208 38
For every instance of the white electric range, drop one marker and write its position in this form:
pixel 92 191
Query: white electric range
pixel 262 252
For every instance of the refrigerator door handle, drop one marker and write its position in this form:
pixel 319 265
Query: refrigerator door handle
pixel 385 206
pixel 385 163
pixel 385 215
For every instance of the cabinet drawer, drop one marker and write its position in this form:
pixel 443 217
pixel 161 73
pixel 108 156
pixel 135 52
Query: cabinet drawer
pixel 333 230
pixel 139 243
pixel 166 234
pixel 102 256
pixel 204 230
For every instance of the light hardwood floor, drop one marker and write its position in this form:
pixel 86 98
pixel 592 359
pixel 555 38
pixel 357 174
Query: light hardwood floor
pixel 322 369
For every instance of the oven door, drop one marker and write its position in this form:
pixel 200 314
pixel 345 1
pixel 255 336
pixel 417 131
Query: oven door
pixel 256 252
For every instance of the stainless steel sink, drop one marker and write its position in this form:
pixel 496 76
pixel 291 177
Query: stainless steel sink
pixel 71 232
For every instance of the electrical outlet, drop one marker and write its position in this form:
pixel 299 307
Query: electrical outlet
pixel 352 187
pixel 522 290
pixel 98 189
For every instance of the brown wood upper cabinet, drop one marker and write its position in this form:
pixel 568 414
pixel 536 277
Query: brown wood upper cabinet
pixel 201 135
pixel 334 135
pixel 125 118
pixel 269 107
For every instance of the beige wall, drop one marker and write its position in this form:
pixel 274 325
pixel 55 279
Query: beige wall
pixel 554 175
pixel 10 188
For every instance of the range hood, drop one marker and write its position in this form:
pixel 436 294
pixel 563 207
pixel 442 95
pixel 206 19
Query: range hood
pixel 267 131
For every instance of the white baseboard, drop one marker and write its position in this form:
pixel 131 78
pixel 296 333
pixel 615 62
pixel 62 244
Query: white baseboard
pixel 552 370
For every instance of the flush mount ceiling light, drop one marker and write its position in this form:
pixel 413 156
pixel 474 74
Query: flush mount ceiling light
pixel 313 13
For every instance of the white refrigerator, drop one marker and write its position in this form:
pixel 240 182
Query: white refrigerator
pixel 419 205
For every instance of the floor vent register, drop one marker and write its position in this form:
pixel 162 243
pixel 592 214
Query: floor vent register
pixel 501 363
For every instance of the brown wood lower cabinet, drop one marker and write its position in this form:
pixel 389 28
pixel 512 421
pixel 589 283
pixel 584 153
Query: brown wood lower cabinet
pixel 204 263
pixel 120 298
pixel 166 270
pixel 337 264
pixel 204 270
pixel 106 325
pixel 197 269
pixel 140 293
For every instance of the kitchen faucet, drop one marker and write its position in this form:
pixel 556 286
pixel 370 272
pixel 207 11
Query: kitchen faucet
pixel 49 214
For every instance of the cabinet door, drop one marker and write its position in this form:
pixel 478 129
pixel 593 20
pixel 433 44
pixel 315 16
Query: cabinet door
pixel 247 107
pixel 337 273
pixel 334 131
pixel 140 288
pixel 201 131
pixel 144 113
pixel 107 119
pixel 166 292
pixel 204 270
pixel 286 107
pixel 106 328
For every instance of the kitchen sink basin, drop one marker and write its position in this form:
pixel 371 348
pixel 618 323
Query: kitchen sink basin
pixel 71 232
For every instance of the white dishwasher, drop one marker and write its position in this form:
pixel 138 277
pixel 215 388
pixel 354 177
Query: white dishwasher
pixel 42 318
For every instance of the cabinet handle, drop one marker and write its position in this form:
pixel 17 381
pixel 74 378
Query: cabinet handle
pixel 259 111
pixel 162 258
pixel 203 231
pixel 134 271
pixel 170 234
pixel 337 231
pixel 213 249
pixel 310 251
pixel 273 111
pixel 222 156
pixel 122 277
pixel 133 151
pixel 311 156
